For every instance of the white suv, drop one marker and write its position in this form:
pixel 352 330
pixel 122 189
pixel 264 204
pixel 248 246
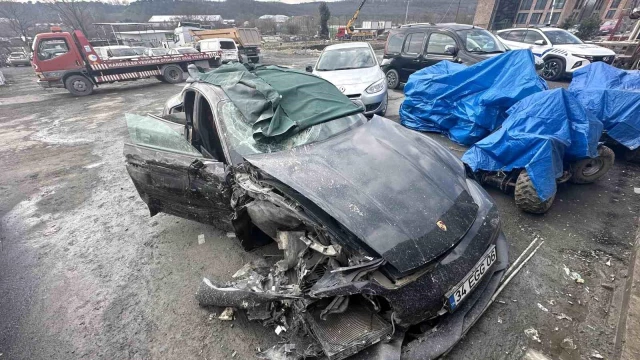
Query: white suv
pixel 562 52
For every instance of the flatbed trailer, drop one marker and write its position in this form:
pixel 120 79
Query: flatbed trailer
pixel 67 60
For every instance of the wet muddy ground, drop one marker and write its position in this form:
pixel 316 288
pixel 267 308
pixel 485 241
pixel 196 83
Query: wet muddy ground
pixel 85 273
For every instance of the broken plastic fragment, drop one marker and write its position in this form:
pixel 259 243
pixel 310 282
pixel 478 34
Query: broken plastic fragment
pixel 596 355
pixel 200 239
pixel 280 329
pixel 562 316
pixel 542 308
pixel 227 314
pixel 532 334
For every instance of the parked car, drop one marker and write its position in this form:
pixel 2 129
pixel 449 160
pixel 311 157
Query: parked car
pixel 379 226
pixel 116 52
pixel 354 70
pixel 139 50
pixel 18 59
pixel 183 50
pixel 414 47
pixel 562 52
pixel 227 47
pixel 156 51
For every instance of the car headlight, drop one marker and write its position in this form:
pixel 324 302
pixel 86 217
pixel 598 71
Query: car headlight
pixel 376 87
pixel 588 57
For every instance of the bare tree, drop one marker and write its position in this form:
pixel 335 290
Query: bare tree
pixel 74 14
pixel 21 19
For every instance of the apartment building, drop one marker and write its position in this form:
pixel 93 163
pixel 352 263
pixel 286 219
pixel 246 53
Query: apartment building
pixel 499 14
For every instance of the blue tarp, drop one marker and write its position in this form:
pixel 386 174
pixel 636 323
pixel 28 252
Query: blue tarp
pixel 613 96
pixel 542 132
pixel 468 103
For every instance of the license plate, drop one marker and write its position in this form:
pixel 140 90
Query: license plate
pixel 471 280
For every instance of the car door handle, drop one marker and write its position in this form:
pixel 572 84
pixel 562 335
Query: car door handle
pixel 415 60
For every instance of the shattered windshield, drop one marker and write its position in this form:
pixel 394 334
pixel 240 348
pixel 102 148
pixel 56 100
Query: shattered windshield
pixel 481 41
pixel 346 59
pixel 561 37
pixel 239 132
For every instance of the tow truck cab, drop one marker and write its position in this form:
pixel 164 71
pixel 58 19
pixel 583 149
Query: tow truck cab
pixel 58 55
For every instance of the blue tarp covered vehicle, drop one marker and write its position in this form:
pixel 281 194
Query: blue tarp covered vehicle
pixel 613 96
pixel 551 136
pixel 468 103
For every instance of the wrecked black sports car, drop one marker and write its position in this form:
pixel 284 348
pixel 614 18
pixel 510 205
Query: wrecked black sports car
pixel 384 238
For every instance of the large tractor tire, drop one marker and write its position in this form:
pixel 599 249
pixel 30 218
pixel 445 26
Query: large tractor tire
pixel 587 171
pixel 527 198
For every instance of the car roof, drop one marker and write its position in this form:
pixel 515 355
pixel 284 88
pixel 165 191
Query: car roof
pixel 531 28
pixel 351 45
pixel 448 26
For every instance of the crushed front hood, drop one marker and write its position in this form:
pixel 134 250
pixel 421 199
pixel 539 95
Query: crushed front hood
pixel 403 195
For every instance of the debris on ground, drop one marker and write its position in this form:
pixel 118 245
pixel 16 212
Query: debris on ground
pixel 562 316
pixel 534 355
pixel 227 314
pixel 568 344
pixel 636 190
pixel 200 239
pixel 596 355
pixel 231 234
pixel 542 308
pixel 573 275
pixel 532 334
pixel 608 263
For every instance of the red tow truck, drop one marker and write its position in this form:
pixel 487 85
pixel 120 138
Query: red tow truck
pixel 67 60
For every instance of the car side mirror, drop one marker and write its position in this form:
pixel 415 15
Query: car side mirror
pixel 451 49
pixel 540 42
pixel 309 68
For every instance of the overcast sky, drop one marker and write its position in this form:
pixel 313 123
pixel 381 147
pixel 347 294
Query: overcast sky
pixel 296 1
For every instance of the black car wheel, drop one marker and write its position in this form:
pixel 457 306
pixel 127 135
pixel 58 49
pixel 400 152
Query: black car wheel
pixel 586 171
pixel 553 69
pixel 78 85
pixel 393 78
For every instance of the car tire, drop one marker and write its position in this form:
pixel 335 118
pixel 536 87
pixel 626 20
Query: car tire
pixel 161 78
pixel 632 155
pixel 172 74
pixel 553 69
pixel 527 198
pixel 587 171
pixel 393 78
pixel 78 85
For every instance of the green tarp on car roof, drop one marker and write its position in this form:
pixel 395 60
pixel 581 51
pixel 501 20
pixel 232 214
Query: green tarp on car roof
pixel 279 101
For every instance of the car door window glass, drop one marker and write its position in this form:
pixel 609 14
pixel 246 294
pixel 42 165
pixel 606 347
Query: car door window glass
pixel 205 126
pixel 504 35
pixel 394 43
pixel 438 42
pixel 413 44
pixel 532 36
pixel 516 35
pixel 52 48
pixel 161 135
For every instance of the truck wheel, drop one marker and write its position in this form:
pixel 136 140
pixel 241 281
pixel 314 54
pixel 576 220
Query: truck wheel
pixel 632 155
pixel 586 171
pixel 527 198
pixel 78 85
pixel 172 74
pixel 553 69
pixel 393 78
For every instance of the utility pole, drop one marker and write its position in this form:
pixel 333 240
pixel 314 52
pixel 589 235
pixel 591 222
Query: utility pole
pixel 553 5
pixel 406 13
pixel 457 11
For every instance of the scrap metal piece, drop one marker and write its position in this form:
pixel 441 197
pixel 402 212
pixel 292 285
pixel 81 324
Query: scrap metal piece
pixel 215 295
pixel 343 335
pixel 329 250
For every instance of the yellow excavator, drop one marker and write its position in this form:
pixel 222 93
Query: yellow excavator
pixel 349 33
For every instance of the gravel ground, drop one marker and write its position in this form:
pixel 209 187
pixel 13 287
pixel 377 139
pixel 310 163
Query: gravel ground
pixel 85 273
